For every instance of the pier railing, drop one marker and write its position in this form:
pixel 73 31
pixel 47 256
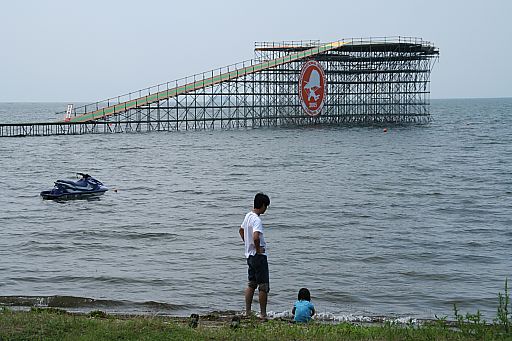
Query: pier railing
pixel 182 86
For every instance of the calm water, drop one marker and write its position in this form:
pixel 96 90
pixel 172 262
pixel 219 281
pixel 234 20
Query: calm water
pixel 399 224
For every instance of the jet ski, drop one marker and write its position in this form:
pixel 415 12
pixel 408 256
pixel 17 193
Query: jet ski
pixel 85 187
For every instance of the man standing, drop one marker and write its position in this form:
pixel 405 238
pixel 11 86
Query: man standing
pixel 251 232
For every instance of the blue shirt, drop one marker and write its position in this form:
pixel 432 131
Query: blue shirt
pixel 303 310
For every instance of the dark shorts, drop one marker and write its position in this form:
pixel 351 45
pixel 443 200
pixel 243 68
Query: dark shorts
pixel 258 272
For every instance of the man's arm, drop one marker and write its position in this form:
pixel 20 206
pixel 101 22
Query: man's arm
pixel 241 231
pixel 256 237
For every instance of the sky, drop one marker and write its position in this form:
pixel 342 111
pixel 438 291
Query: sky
pixel 89 50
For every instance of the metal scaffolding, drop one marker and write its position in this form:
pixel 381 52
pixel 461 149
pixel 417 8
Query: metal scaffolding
pixel 368 81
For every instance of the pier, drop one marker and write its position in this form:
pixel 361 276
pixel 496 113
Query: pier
pixel 346 82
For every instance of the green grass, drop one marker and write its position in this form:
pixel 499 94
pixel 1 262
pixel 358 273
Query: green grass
pixel 52 324
pixel 56 324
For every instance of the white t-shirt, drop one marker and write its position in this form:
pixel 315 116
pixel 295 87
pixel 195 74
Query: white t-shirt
pixel 251 224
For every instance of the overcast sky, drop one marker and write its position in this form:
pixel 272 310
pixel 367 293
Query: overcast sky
pixel 83 51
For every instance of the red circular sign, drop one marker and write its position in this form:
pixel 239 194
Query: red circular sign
pixel 312 89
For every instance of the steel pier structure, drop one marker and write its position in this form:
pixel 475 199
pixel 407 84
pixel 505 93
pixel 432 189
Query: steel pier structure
pixel 365 82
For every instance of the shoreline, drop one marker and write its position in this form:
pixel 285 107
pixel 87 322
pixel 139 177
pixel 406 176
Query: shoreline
pixel 84 305
pixel 228 315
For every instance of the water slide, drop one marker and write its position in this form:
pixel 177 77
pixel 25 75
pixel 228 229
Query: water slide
pixel 158 96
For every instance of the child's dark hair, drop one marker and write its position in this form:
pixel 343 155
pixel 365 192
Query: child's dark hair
pixel 304 295
pixel 261 199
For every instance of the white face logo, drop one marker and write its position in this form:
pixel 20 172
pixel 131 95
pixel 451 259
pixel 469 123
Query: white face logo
pixel 312 89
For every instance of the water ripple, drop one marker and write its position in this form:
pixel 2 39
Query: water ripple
pixel 406 222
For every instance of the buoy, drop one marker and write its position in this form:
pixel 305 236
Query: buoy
pixel 385 130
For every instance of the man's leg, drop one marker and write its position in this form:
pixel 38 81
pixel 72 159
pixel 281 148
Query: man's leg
pixel 264 286
pixel 249 293
pixel 262 295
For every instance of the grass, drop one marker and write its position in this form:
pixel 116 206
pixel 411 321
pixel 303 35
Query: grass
pixel 46 324
pixel 56 324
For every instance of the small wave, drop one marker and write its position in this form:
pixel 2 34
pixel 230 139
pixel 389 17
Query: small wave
pixel 351 318
pixel 74 302
pixel 338 296
pixel 236 174
pixel 55 301
pixel 143 189
pixel 427 276
pixel 131 148
pixel 115 234
pixel 159 305
pixel 36 246
pixel 151 235
pixel 478 259
pixel 376 260
pixel 474 244
pixel 96 280
pixel 190 191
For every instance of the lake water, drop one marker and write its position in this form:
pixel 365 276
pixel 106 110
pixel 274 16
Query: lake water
pixel 402 223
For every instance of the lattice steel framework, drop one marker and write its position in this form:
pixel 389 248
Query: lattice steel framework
pixel 369 81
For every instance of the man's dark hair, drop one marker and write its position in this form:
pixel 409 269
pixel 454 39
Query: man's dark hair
pixel 304 295
pixel 261 199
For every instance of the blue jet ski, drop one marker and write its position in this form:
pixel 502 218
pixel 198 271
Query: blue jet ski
pixel 85 187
